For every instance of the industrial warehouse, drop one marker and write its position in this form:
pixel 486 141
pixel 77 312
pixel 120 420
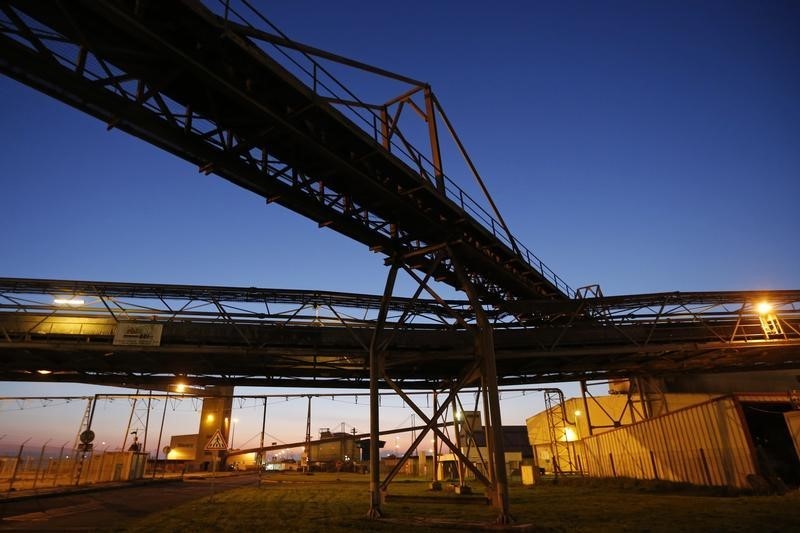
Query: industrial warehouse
pixel 736 430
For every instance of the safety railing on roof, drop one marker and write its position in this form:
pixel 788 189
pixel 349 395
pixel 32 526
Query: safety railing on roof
pixel 312 73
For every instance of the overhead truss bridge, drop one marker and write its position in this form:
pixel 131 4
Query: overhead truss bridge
pixel 252 336
pixel 209 84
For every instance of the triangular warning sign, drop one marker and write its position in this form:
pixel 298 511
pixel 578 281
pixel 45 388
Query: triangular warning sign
pixel 216 443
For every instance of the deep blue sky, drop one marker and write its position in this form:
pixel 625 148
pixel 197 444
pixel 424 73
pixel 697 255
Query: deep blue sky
pixel 645 146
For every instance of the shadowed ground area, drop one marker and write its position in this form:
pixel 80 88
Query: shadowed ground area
pixel 337 502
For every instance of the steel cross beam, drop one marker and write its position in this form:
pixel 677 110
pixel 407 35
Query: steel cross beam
pixel 176 75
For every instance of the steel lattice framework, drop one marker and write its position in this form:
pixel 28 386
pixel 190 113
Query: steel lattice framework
pixel 250 336
pixel 219 86
pixel 191 82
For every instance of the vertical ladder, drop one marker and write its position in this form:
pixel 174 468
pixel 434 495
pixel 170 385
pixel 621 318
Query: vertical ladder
pixel 557 426
pixel 84 424
pixel 79 449
pixel 138 421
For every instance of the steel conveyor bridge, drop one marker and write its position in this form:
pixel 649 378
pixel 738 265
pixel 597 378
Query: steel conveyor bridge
pixel 195 84
pixel 274 337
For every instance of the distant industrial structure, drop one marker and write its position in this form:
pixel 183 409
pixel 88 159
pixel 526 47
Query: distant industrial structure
pixel 471 440
pixel 331 451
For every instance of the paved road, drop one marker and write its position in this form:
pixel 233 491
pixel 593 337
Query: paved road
pixel 108 509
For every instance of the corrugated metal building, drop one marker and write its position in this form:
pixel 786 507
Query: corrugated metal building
pixel 740 440
pixel 706 444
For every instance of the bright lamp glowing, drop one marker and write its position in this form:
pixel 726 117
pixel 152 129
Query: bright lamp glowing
pixel 68 301
pixel 768 318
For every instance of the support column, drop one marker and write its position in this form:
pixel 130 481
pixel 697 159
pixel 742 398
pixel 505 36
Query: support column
pixel 375 371
pixel 500 496
pixel 215 416
pixel 435 483
pixel 494 434
pixel 457 424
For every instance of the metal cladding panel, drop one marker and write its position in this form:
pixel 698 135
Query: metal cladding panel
pixel 706 444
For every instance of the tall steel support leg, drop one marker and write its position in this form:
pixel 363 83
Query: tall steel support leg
pixel 375 371
pixel 457 424
pixel 435 483
pixel 494 435
pixel 500 496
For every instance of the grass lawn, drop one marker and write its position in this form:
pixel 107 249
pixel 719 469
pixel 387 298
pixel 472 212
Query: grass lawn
pixel 338 502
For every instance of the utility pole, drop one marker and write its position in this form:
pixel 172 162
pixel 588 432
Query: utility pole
pixel 308 437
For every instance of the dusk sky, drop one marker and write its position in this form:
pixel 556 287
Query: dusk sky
pixel 644 146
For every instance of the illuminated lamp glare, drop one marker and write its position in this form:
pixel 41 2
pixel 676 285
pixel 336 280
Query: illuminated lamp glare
pixel 68 301
pixel 44 372
pixel 763 308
